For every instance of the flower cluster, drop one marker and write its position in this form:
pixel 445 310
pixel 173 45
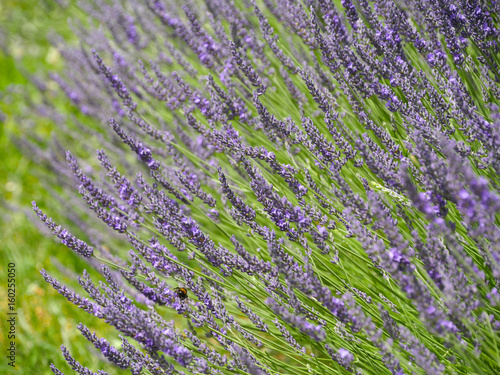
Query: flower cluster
pixel 272 172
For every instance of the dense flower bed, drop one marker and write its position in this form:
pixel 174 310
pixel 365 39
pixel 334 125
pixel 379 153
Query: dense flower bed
pixel 314 187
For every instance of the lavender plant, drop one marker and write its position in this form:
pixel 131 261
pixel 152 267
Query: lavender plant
pixel 322 178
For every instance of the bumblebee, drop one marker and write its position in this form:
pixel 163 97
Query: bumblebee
pixel 182 293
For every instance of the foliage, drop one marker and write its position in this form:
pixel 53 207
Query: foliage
pixel 321 178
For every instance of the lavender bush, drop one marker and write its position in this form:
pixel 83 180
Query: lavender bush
pixel 321 178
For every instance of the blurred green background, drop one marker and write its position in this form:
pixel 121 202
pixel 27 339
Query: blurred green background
pixel 45 320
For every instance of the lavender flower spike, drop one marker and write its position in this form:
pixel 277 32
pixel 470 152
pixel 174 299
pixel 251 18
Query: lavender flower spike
pixel 79 246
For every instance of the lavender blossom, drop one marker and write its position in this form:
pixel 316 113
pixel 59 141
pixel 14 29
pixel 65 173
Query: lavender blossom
pixel 316 332
pixel 79 246
pixel 295 176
